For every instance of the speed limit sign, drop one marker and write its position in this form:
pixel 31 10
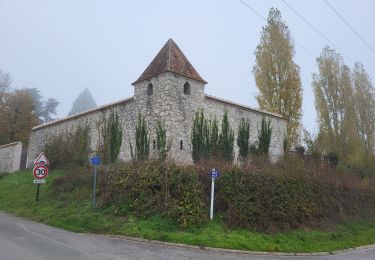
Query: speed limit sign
pixel 40 172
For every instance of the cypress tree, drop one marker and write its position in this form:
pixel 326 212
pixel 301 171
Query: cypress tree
pixel 264 136
pixel 243 139
pixel 161 140
pixel 142 142
pixel 115 136
pixel 197 136
pixel 226 140
pixel 111 134
pixel 214 138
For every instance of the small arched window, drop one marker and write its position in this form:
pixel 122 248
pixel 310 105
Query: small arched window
pixel 187 88
pixel 150 89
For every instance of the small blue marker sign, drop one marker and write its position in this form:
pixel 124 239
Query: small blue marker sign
pixel 95 160
pixel 215 173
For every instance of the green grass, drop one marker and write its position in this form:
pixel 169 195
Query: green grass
pixel 75 213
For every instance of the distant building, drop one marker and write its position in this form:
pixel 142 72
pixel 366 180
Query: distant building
pixel 172 90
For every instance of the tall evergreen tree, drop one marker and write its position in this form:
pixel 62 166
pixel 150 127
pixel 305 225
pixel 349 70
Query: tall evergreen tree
pixel 277 76
pixel 264 136
pixel 214 138
pixel 197 136
pixel 226 140
pixel 83 102
pixel 162 145
pixel 243 138
pixel 142 142
pixel 49 108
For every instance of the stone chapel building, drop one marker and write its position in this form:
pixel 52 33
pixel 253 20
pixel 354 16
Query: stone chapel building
pixel 172 90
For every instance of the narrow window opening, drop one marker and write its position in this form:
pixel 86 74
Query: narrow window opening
pixel 150 89
pixel 181 145
pixel 187 88
pixel 153 144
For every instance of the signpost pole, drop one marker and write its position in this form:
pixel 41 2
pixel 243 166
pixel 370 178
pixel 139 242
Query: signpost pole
pixel 94 189
pixel 95 161
pixel 37 192
pixel 212 197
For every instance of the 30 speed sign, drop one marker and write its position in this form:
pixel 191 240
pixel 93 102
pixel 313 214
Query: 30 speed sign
pixel 40 172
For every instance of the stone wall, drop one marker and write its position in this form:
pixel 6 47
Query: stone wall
pixel 215 107
pixel 41 134
pixel 10 157
pixel 171 105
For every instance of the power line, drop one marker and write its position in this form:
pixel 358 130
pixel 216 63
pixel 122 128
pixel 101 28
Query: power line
pixel 253 10
pixel 350 27
pixel 316 30
pixel 264 19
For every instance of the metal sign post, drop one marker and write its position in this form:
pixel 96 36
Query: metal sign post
pixel 214 174
pixel 95 160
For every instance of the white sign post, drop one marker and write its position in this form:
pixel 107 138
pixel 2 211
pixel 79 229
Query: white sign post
pixel 214 174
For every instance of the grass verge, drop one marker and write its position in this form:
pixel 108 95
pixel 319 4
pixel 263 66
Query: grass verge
pixel 17 196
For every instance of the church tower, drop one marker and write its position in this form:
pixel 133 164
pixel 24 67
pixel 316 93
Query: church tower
pixel 170 89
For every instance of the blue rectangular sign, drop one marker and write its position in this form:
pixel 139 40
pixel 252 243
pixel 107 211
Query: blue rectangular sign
pixel 95 160
pixel 215 173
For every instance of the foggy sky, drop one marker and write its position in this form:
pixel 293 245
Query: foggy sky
pixel 62 47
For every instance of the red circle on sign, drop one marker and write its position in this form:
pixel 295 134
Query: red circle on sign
pixel 40 172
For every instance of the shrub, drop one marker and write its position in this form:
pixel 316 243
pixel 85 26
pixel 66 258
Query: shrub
pixel 75 180
pixel 243 139
pixel 142 142
pixel 264 136
pixel 291 194
pixel 226 140
pixel 152 188
pixel 162 145
pixel 110 135
pixel 69 149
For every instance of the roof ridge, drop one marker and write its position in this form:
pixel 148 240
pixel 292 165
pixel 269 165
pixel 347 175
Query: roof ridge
pixel 169 54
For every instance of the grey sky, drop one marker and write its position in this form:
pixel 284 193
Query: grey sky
pixel 62 47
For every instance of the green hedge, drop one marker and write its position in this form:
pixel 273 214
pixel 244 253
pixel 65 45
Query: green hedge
pixel 290 194
pixel 152 188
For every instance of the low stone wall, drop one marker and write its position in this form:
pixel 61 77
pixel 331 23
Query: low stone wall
pixel 10 157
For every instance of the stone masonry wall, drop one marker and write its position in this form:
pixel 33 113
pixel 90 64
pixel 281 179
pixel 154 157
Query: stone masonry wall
pixel 10 157
pixel 169 104
pixel 40 134
pixel 216 107
pixel 174 108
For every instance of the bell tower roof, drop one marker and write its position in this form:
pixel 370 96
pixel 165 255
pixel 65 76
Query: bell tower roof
pixel 170 59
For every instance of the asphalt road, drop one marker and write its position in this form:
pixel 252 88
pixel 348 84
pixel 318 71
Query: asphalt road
pixel 23 239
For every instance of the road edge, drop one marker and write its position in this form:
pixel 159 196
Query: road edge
pixel 236 251
pixel 204 248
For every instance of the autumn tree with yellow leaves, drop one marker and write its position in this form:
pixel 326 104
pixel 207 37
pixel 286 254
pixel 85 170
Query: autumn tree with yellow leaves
pixel 277 76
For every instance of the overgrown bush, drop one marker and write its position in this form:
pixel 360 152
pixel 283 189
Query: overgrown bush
pixel 142 142
pixel 243 139
pixel 70 149
pixel 291 194
pixel 75 180
pixel 163 146
pixel 153 188
pixel 110 137
pixel 226 140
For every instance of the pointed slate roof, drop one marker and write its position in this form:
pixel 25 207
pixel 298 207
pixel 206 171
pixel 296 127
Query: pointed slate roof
pixel 170 59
